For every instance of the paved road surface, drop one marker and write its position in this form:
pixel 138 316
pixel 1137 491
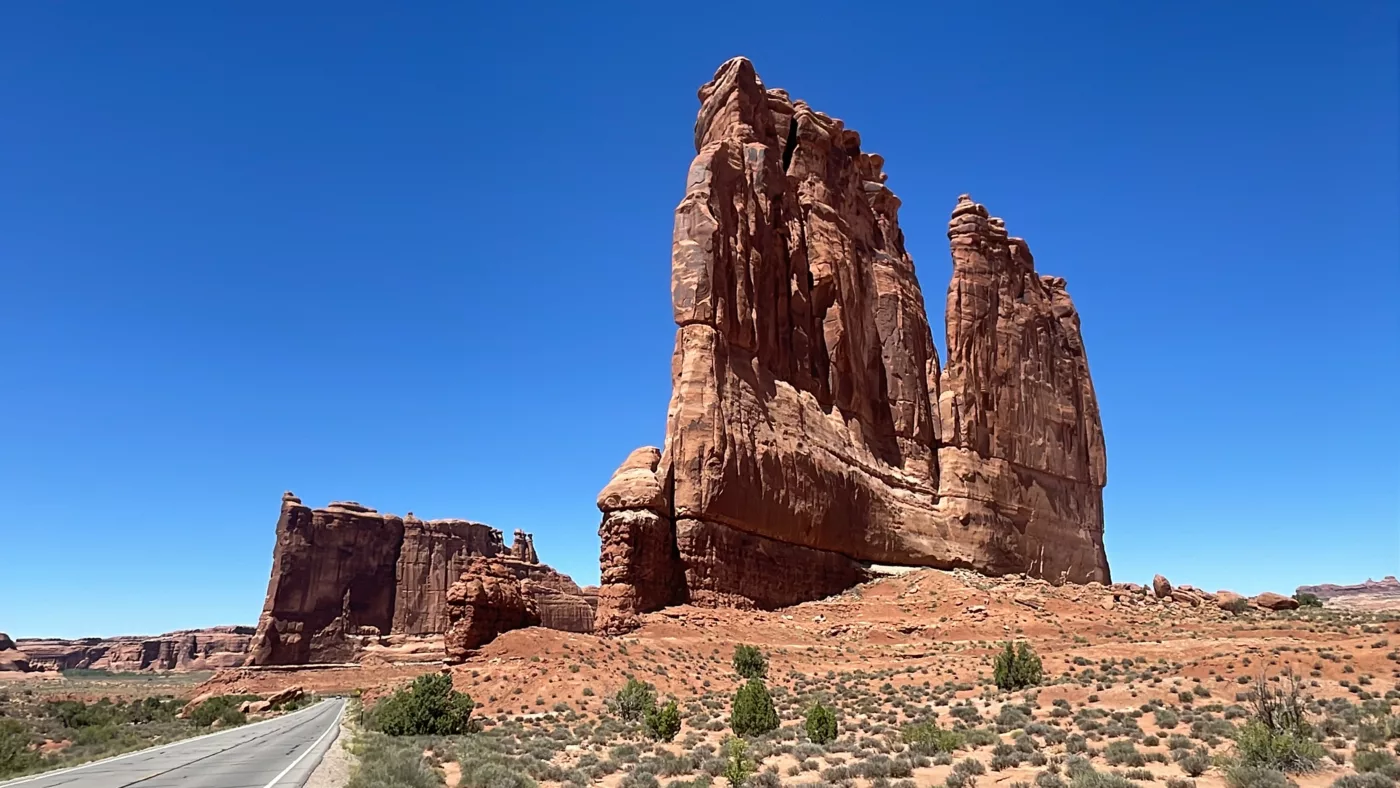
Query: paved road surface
pixel 279 753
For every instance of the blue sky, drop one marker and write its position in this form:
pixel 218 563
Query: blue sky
pixel 418 256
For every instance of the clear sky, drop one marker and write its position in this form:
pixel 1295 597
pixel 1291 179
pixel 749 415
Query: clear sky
pixel 417 255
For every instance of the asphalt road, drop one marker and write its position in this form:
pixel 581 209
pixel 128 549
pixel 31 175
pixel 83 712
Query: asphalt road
pixel 278 753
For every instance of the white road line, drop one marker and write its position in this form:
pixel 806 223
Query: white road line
pixel 334 724
pixel 148 750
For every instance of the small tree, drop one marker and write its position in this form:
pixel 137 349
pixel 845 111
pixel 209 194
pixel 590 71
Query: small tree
pixel 1017 667
pixel 635 700
pixel 664 723
pixel 753 711
pixel 738 766
pixel 1279 735
pixel 428 707
pixel 821 724
pixel 1307 600
pixel 749 662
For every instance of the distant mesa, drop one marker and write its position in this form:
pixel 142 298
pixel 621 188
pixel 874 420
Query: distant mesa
pixel 180 651
pixel 1383 594
pixel 812 430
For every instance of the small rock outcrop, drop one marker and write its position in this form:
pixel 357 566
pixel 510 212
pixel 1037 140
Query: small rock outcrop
pixel 488 599
pixel 347 578
pixel 11 658
pixel 811 430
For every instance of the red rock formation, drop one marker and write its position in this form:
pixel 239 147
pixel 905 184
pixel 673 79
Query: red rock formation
pixel 347 578
pixel 1271 601
pixel 486 601
pixel 810 430
pixel 11 658
pixel 185 650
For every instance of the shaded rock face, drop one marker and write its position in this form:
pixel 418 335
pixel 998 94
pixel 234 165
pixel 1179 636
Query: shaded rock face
pixel 346 577
pixel 1271 601
pixel 185 650
pixel 811 430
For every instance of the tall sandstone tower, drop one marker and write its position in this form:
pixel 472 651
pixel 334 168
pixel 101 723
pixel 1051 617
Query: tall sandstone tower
pixel 811 431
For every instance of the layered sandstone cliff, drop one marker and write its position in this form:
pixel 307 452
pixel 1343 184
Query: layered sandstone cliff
pixel 811 431
pixel 347 578
pixel 185 650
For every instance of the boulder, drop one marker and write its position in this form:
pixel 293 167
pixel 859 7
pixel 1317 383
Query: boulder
pixel 1161 587
pixel 1228 600
pixel 286 695
pixel 1271 601
pixel 812 429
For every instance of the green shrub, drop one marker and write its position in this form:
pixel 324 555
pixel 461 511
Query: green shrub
pixel 1242 776
pixel 926 738
pixel 1376 761
pixel 427 707
pixel 821 724
pixel 634 700
pixel 662 724
pixel 738 766
pixel 753 712
pixel 1017 667
pixel 1307 600
pixel 1123 753
pixel 1237 606
pixel 1093 779
pixel 1364 780
pixel 382 761
pixel 1278 737
pixel 749 662
pixel 15 755
pixel 220 707
pixel 1194 764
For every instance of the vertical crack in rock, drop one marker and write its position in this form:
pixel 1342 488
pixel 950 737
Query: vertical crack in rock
pixel 811 431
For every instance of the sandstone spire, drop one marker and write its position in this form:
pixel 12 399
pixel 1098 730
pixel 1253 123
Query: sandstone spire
pixel 810 431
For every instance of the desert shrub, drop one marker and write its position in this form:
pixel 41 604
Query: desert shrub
pixel 980 737
pixel 1123 753
pixel 1307 600
pixel 1017 667
pixel 1049 780
pixel 383 761
pixel 738 766
pixel 1166 718
pixel 1194 764
pixel 821 724
pixel 1093 779
pixel 1242 776
pixel 15 755
pixel 969 766
pixel 427 707
pixel 926 738
pixel 1364 780
pixel 662 724
pixel 634 700
pixel 749 662
pixel 1376 761
pixel 1177 782
pixel 223 708
pixel 753 712
pixel 1278 736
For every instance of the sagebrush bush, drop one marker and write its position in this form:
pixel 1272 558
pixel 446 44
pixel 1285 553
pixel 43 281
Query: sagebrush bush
pixel 427 707
pixel 926 738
